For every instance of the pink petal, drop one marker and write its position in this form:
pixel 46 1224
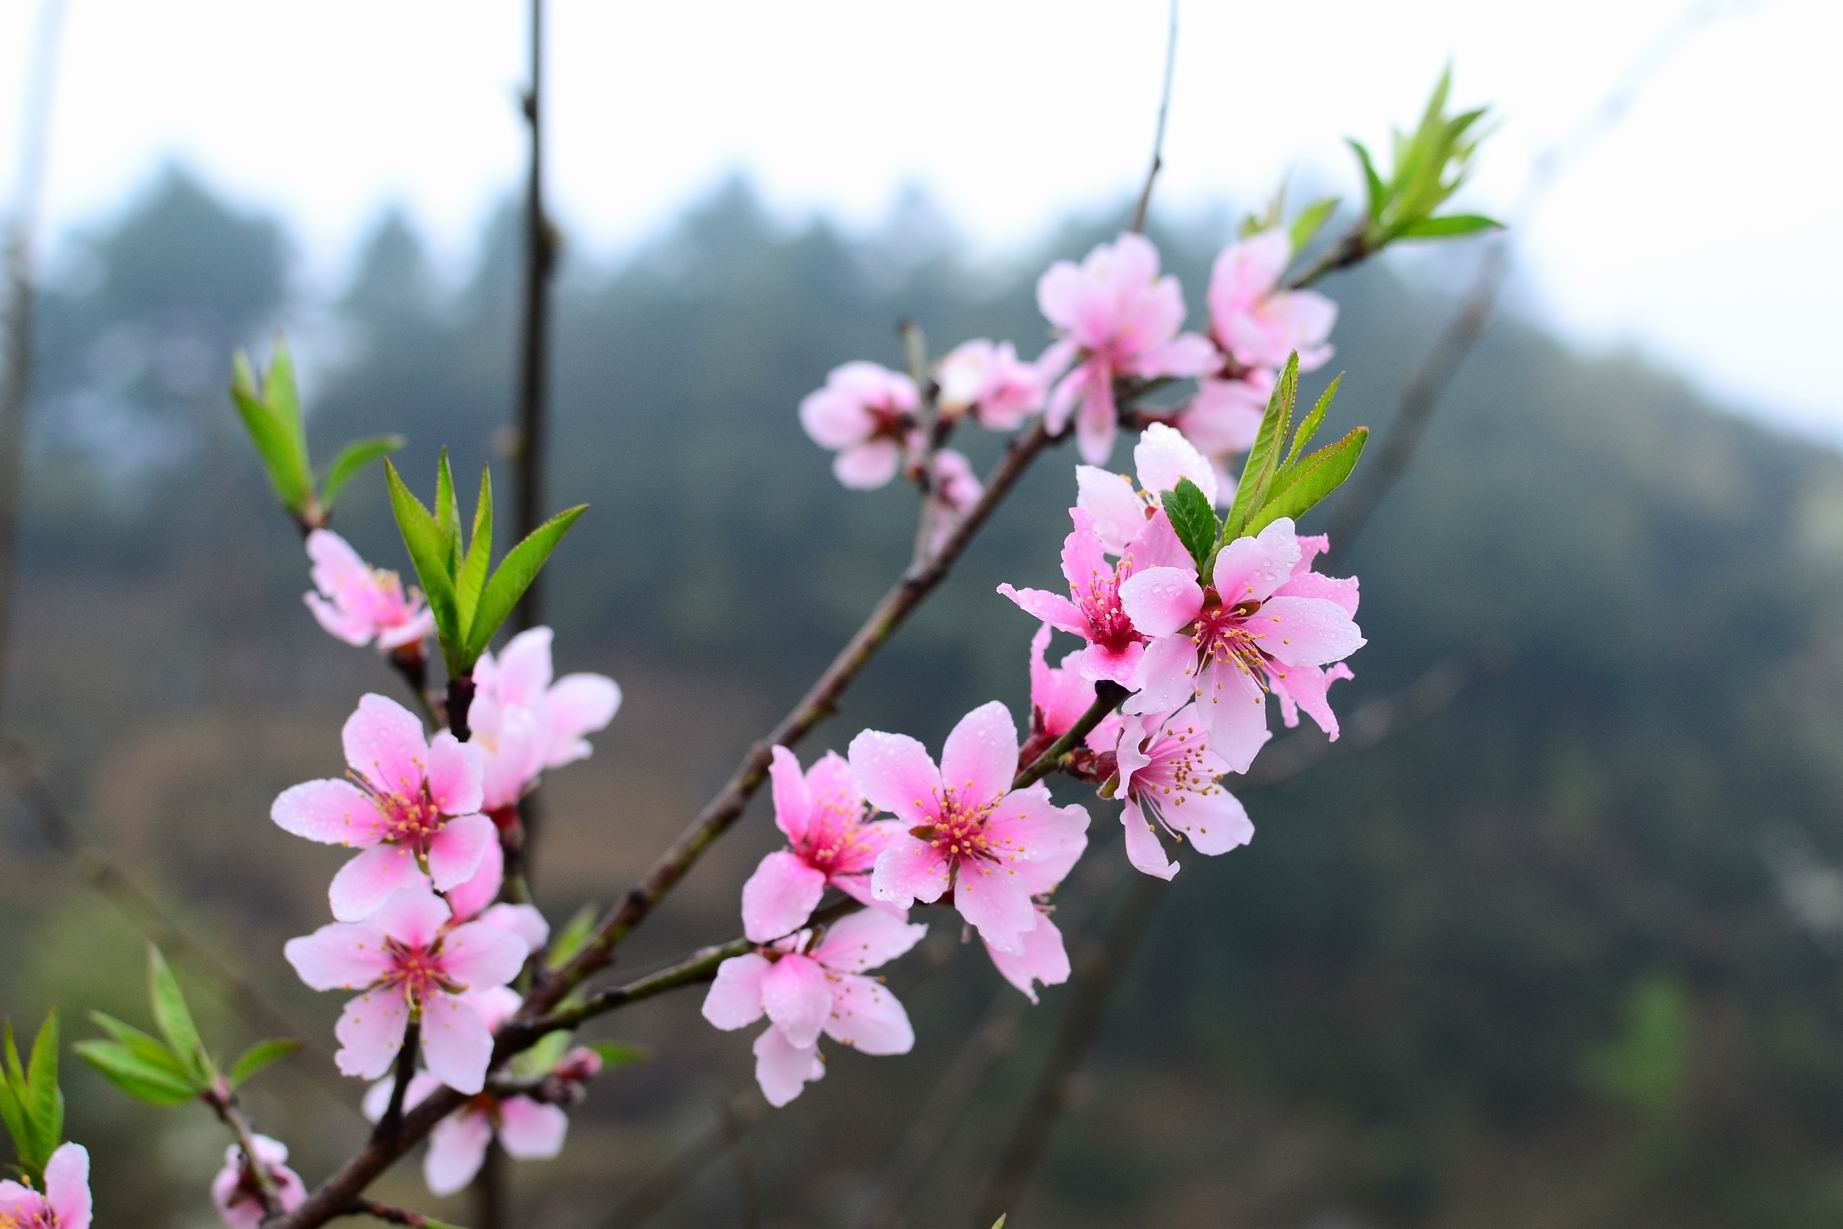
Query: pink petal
pixel 1157 546
pixel 531 1131
pixel 67 1186
pixel 793 801
pixel 17 1202
pixel 481 889
pixel 1340 589
pixel 1099 662
pixel 867 466
pixel 867 1016
pixel 339 956
pixel 455 1043
pixel 1143 847
pixel 834 420
pixel 1042 960
pixel 476 955
pixel 980 756
pixel 370 1032
pixel 1109 499
pixel 1166 676
pixel 1308 689
pixel 990 899
pixel 1252 568
pixel 1059 292
pixel 454 774
pixel 1215 822
pixel 384 742
pixel 735 997
pixel 1031 828
pixel 354 629
pixel 412 916
pixel 1159 601
pixel 1234 713
pixel 494 1005
pixel 1098 423
pixel 897 775
pixel 331 812
pixel 457 1149
pixel 522 922
pixel 456 851
pixel 797 997
pixel 1051 608
pixel 377 1098
pixel 1163 458
pixel 859 942
pixel 525 671
pixel 1307 631
pixel 1187 355
pixel 783 1069
pixel 780 896
pixel 579 705
pixel 909 870
pixel 363 883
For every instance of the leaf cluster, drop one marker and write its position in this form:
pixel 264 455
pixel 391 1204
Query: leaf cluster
pixel 31 1104
pixel 1427 167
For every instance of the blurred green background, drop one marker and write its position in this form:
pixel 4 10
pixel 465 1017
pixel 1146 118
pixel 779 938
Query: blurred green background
pixel 1564 955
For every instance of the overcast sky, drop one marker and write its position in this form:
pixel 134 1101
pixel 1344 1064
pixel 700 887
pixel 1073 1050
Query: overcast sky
pixel 1702 230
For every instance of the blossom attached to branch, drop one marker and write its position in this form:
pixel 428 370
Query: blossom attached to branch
pixel 866 414
pixel 236 1192
pixel 1171 781
pixel 361 604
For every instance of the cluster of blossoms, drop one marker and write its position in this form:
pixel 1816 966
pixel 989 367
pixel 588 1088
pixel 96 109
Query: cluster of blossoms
pixel 420 936
pixel 1190 648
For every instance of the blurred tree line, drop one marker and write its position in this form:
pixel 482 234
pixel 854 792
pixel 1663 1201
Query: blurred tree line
pixel 1543 961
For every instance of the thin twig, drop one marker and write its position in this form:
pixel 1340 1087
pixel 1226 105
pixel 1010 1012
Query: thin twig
pixel 21 233
pixel 392 1121
pixel 1158 135
pixel 1427 385
pixel 534 348
pixel 489 1188
pixel 223 1102
pixel 388 1213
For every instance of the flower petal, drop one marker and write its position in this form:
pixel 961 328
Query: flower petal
pixel 532 1131
pixel 384 742
pixel 1051 608
pixel 330 812
pixel 780 896
pixel 457 1150
pixel 1159 601
pixel 455 771
pixel 897 775
pixel 793 801
pixel 339 956
pixel 67 1186
pixel 867 1016
pixel 908 870
pixel 1143 847
pixel 455 1043
pixel 797 998
pixel 478 956
pixel 1307 631
pixel 859 942
pixel 1042 960
pixel 990 898
pixel 735 996
pixel 980 756
pixel 456 851
pixel 782 1068
pixel 363 883
pixel 370 1032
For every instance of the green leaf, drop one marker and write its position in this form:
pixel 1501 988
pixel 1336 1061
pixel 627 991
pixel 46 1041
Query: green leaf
pixel 620 1054
pixel 1378 195
pixel 352 459
pixel 514 575
pixel 566 942
pixel 32 1105
pixel 1311 220
pixel 1000 1222
pixel 134 1074
pixel 423 540
pixel 1192 516
pixel 470 581
pixel 1307 483
pixel 448 514
pixel 13 1114
pixel 1448 227
pixel 173 1016
pixel 278 389
pixel 1309 427
pixel 143 1044
pixel 287 469
pixel 259 1056
pixel 1257 471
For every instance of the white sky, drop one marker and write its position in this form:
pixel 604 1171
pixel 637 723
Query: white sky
pixel 1703 230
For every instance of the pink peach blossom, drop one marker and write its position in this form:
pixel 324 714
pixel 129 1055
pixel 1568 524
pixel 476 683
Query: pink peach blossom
pixel 1117 317
pixel 236 1194
pixel 526 720
pixel 830 844
pixel 1254 318
pixel 1093 610
pixel 1119 508
pixel 990 380
pixel 1266 622
pixel 968 830
pixel 361 604
pixel 1059 696
pixel 411 804
pixel 411 964
pixel 528 1129
pixel 63 1204
pixel 1170 780
pixel 813 983
pixel 866 413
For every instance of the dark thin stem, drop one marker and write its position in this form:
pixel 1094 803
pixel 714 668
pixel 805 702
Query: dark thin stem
pixel 223 1102
pixel 1107 697
pixel 387 1213
pixel 490 1189
pixel 460 699
pixel 392 1121
pixel 1158 135
pixel 410 662
pixel 21 234
pixel 534 348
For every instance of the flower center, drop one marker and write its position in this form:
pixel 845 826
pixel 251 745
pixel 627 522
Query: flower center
pixel 1225 634
pixel 410 819
pixel 1099 600
pixel 960 831
pixel 419 971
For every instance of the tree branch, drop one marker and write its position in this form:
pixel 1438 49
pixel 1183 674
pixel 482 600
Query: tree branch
pixel 1158 133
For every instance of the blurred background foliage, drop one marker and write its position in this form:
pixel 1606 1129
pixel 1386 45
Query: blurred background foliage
pixel 1565 955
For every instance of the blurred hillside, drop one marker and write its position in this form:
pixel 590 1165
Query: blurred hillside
pixel 1562 957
